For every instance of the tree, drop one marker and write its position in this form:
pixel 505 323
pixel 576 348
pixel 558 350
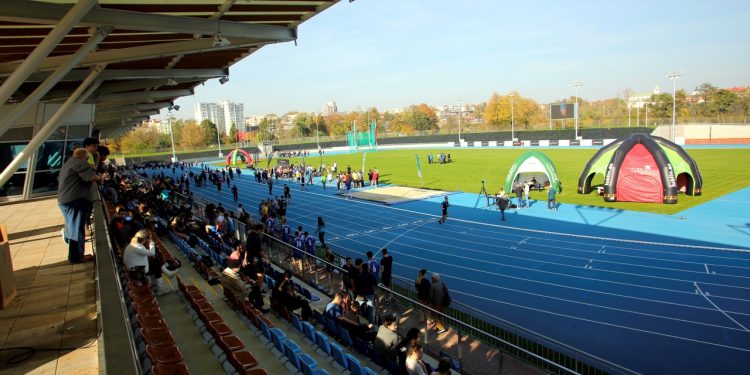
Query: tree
pixel 191 136
pixel 142 138
pixel 422 117
pixel 303 125
pixel 267 130
pixel 722 102
pixel 233 132
pixel 661 105
pixel 209 132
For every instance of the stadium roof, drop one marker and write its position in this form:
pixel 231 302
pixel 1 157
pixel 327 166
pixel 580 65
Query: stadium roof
pixel 134 57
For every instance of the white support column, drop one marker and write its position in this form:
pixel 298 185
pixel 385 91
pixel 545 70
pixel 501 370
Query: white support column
pixel 75 100
pixel 40 53
pixel 98 35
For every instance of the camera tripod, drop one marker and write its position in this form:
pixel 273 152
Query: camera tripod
pixel 482 192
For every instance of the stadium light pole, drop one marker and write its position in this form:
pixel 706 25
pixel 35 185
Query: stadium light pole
pixel 512 95
pixel 218 140
pixel 171 134
pixel 576 85
pixel 674 76
pixel 460 109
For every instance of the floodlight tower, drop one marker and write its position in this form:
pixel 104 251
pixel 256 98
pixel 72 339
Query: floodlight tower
pixel 674 76
pixel 576 85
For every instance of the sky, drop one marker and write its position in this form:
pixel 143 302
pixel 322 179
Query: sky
pixel 394 53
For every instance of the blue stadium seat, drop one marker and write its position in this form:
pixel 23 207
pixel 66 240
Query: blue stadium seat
pixel 333 328
pixel 354 366
pixel 278 337
pixel 338 354
pixel 320 371
pixel 307 364
pixel 322 340
pixel 292 351
pixel 297 323
pixel 346 339
pixel 309 331
pixel 264 328
pixel 368 371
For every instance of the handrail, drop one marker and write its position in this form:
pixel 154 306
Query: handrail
pixel 490 338
pixel 510 326
pixel 119 353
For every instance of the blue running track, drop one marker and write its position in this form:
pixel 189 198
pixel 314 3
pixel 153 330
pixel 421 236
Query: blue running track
pixel 655 294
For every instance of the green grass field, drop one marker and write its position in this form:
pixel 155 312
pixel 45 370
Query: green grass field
pixel 724 171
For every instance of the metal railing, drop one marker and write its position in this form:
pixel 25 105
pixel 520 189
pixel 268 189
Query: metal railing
pixel 117 347
pixel 506 337
pixel 513 339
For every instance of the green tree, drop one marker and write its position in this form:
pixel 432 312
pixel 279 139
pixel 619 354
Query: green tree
pixel 233 133
pixel 303 125
pixel 722 102
pixel 661 105
pixel 209 132
pixel 267 130
pixel 140 139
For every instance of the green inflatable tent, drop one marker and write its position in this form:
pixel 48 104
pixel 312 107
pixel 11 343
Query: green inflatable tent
pixel 532 164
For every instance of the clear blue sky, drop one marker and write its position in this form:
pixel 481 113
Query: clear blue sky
pixel 394 53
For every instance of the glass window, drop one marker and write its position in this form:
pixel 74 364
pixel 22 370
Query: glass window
pixel 14 186
pixel 8 152
pixel 50 156
pixel 72 145
pixel 45 182
pixel 78 131
pixel 18 134
pixel 58 134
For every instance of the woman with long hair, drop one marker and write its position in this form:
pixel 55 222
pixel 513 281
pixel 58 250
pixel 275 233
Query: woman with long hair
pixel 423 292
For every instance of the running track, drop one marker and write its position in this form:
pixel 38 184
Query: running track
pixel 652 304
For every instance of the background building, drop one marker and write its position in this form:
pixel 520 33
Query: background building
pixel 330 108
pixel 234 113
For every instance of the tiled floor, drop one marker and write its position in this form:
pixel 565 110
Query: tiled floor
pixel 55 310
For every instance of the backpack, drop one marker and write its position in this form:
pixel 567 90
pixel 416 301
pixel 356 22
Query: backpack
pixel 446 297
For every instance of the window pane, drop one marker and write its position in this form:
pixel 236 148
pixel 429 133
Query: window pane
pixel 8 151
pixel 72 145
pixel 78 131
pixel 50 156
pixel 58 134
pixel 14 186
pixel 45 182
pixel 18 134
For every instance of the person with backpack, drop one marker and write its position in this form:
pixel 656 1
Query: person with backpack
pixel 439 300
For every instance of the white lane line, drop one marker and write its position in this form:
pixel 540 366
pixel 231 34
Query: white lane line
pixel 608 324
pixel 705 295
pixel 523 241
pixel 706 265
pixel 402 233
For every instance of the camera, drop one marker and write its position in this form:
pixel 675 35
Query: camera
pixel 483 181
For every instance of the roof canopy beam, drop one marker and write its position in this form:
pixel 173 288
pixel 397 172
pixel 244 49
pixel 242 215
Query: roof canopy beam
pixel 122 87
pixel 139 53
pixel 132 107
pixel 36 12
pixel 142 96
pixel 128 74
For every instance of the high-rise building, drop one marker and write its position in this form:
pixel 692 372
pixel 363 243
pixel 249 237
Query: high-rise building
pixel 211 112
pixel 223 114
pixel 330 108
pixel 234 113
